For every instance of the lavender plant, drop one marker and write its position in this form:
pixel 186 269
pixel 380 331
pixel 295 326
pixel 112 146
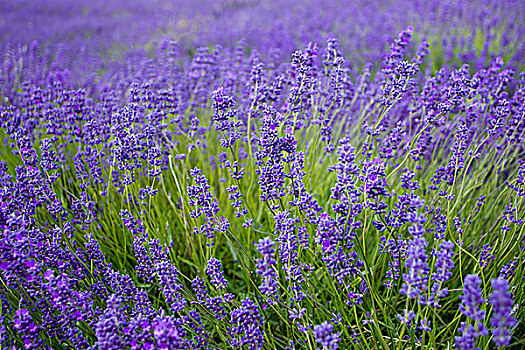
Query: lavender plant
pixel 358 193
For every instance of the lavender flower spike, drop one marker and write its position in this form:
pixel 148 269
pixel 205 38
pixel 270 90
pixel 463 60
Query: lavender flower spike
pixel 324 335
pixel 214 270
pixel 501 319
pixel 470 307
pixel 472 298
pixel 265 267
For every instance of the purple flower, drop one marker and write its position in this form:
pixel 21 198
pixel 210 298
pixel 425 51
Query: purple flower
pixel 342 264
pixel 214 270
pixel 485 256
pixel 108 329
pixel 468 337
pixel 170 286
pixel 200 290
pixel 167 333
pixel 444 266
pixel 416 278
pixel 374 178
pixel 472 300
pixel 247 326
pixel 200 334
pixel 508 270
pixel 200 197
pixel 27 329
pixel 502 319
pixel 407 318
pixel 205 204
pixel 214 304
pixel 396 51
pixel 266 268
pixel 324 336
pixel 425 325
pixel 153 260
pixel 396 248
pixel 225 118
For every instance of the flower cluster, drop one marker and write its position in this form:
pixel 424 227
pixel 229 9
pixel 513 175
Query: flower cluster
pixel 471 307
pixel 502 319
pixel 266 268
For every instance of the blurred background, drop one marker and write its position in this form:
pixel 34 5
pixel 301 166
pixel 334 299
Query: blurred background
pixel 93 41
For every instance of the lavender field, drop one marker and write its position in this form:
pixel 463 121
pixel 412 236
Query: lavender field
pixel 251 174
